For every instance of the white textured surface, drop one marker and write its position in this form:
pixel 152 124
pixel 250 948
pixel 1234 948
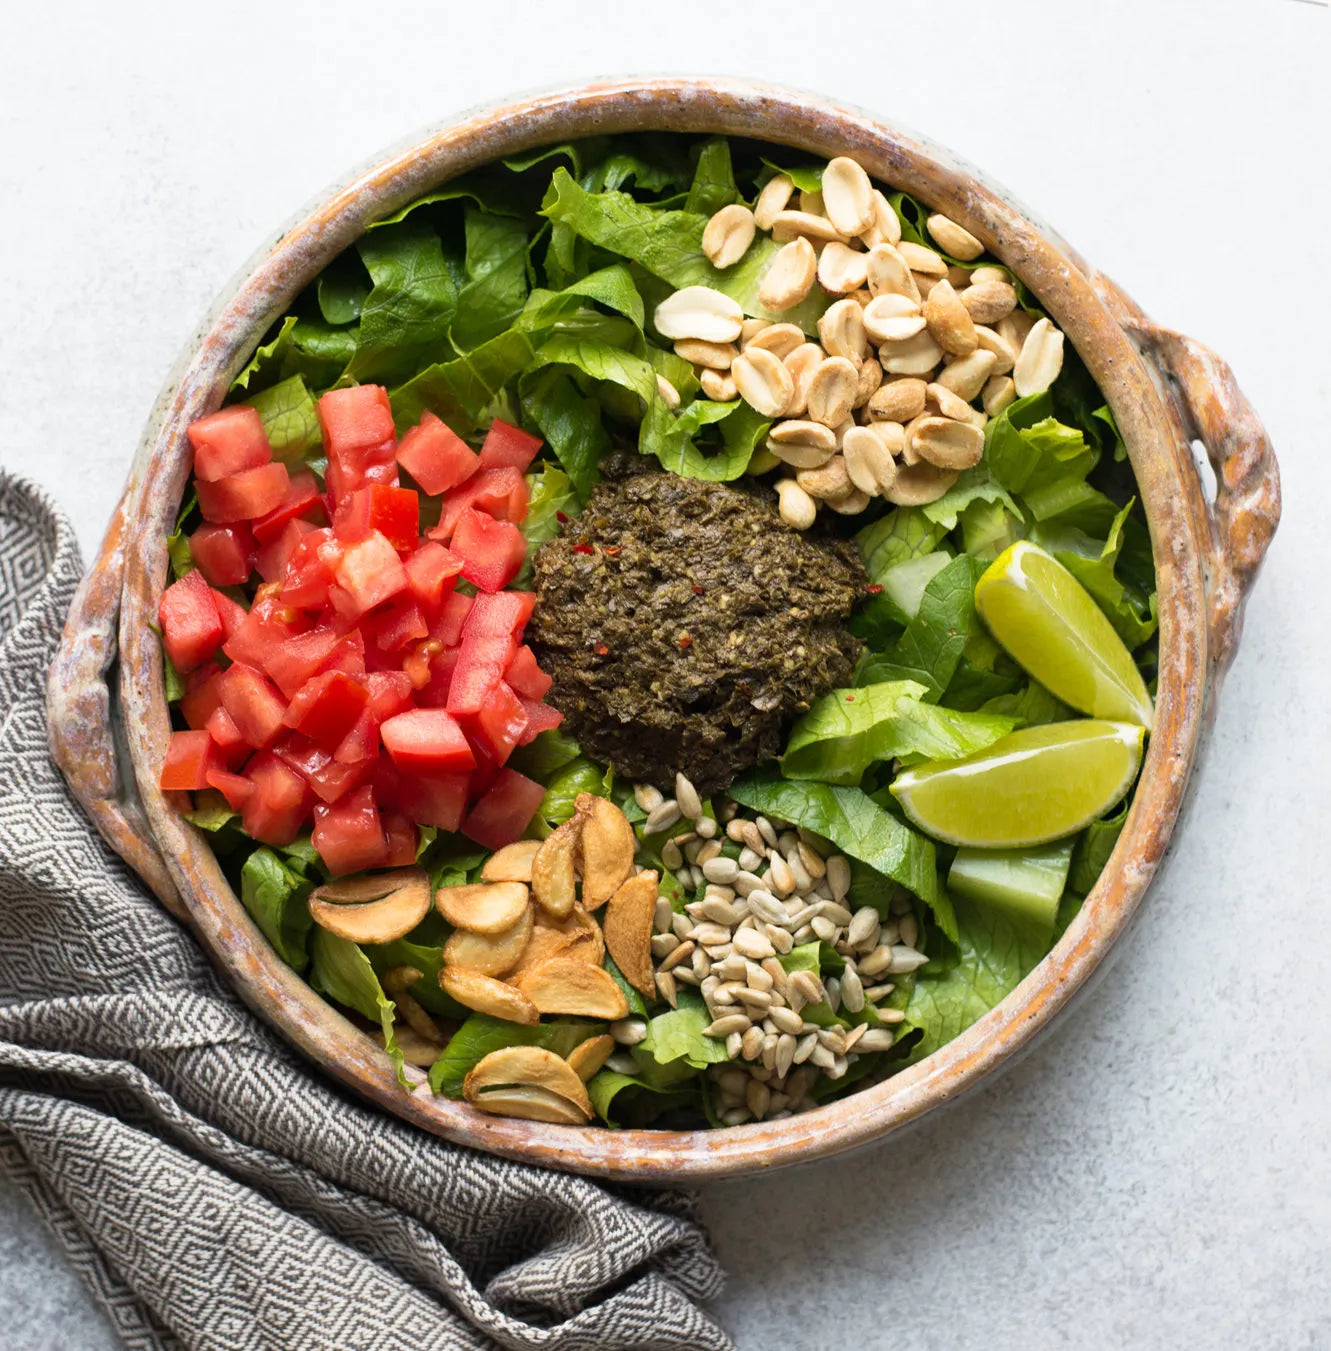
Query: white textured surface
pixel 1156 1173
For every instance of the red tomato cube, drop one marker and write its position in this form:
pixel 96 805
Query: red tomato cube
pixel 426 741
pixel 309 572
pixel 349 834
pixel 438 800
pixel 492 552
pixel 479 669
pixel 540 718
pixel 243 496
pixel 348 656
pixel 507 446
pixel 303 501
pixel 355 419
pixel 279 804
pixel 232 747
pixel 505 811
pixel 447 629
pixel 432 572
pixel 395 625
pixel 271 557
pixel 228 442
pixel 394 512
pixel 299 658
pixel 266 627
pixel 328 778
pixel 361 742
pixel 526 677
pixel 191 626
pixel 200 697
pixel 223 553
pixel 326 707
pixel 501 723
pixel 502 615
pixel 390 693
pixel 501 493
pixel 433 691
pixel 190 758
pixel 436 456
pixel 368 573
pixel 253 702
pixel 236 788
pixel 233 615
pixel 402 839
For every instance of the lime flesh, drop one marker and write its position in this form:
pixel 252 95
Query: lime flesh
pixel 1031 786
pixel 1051 625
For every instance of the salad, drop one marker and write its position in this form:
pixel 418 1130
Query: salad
pixel 662 632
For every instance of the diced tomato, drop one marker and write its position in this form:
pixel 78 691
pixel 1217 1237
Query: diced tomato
pixel 253 702
pixel 328 777
pixel 433 693
pixel 271 558
pixel 303 501
pixel 228 442
pixel 401 837
pixel 348 656
pixel 452 617
pixel 505 811
pixel 479 669
pixel 349 834
pixel 368 573
pixel 375 465
pixel 326 707
pixel 432 570
pixel 232 747
pixel 300 657
pixel 390 693
pixel 436 456
pixel 361 742
pixel 190 758
pixel 233 615
pixel 426 741
pixel 200 697
pixel 223 553
pixel 309 571
pixel 236 788
pixel 396 624
pixel 492 552
pixel 502 723
pixel 501 493
pixel 504 614
pixel 191 626
pixel 438 800
pixel 279 804
pixel 526 677
pixel 540 718
pixel 507 446
pixel 243 496
pixel 394 512
pixel 355 419
pixel 269 624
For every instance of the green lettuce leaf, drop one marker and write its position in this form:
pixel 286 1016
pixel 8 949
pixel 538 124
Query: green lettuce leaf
pixel 1093 848
pixel 182 560
pixel 713 183
pixel 673 438
pixel 639 1102
pixel 264 367
pixel 481 1034
pixel 679 1035
pixel 289 416
pixel 845 731
pixel 551 494
pixel 463 390
pixel 342 972
pixel 563 787
pixel 275 896
pixel 612 287
pixel 860 828
pixel 427 959
pixel 973 485
pixel 550 751
pixel 496 287
pixel 1026 448
pixel 570 421
pixel 902 534
pixel 996 953
pixel 405 320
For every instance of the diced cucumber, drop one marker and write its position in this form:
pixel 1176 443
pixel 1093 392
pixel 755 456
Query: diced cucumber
pixel 904 583
pixel 1024 882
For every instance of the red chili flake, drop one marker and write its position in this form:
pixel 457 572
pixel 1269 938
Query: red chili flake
pixel 686 641
pixel 873 588
pixel 561 517
pixel 696 589
pixel 600 649
pixel 583 549
pixel 850 698
pixel 613 549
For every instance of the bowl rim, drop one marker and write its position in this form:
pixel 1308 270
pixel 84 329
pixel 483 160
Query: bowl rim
pixel 1065 285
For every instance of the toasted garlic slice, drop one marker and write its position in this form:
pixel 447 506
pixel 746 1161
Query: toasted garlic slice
pixel 553 882
pixel 577 936
pixel 608 845
pixel 589 1056
pixel 563 985
pixel 628 930
pixel 392 916
pixel 482 907
pixel 512 863
pixel 487 995
pixel 489 954
pixel 526 1067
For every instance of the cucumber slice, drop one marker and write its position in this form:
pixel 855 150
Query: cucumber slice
pixel 1025 882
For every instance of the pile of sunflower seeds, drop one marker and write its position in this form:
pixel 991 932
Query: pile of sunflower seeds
pixel 782 890
pixel 914 354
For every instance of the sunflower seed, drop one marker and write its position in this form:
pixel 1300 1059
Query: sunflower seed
pixel 837 913
pixel 824 928
pixel 821 1056
pixel 779 938
pixel 647 797
pixel 808 986
pixel 665 984
pixel 758 978
pixel 852 990
pixel 909 929
pixel 718 911
pixel 728 1023
pixel 662 915
pixel 709 935
pixel 664 815
pixel 905 959
pixel 766 907
pixel 720 869
pixel 628 1031
pixel 752 944
pixel 707 851
pixel 752 1044
pixel 748 860
pixel 683 953
pixel 783 881
pixel 756 1002
pixel 876 1039
pixel 758 1097
pixel 728 234
pixel 786 1020
pixel 683 926
pixel 864 925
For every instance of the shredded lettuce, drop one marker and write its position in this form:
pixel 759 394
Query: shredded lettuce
pixel 274 894
pixel 343 972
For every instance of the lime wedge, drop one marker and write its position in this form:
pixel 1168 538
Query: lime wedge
pixel 1031 786
pixel 1048 621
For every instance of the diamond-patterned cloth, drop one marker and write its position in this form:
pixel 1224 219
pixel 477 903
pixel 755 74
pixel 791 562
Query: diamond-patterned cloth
pixel 210 1188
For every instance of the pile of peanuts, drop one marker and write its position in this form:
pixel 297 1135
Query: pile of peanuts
pixel 914 356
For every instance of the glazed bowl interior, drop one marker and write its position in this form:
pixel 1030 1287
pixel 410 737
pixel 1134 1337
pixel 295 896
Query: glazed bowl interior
pixel 1165 477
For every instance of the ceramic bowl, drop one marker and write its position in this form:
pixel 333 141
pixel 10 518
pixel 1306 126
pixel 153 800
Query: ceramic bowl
pixel 1168 394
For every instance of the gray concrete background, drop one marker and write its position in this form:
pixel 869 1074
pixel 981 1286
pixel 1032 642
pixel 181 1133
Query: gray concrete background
pixel 1155 1174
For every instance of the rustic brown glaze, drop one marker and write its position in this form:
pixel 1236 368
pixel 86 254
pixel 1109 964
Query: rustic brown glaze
pixel 1164 390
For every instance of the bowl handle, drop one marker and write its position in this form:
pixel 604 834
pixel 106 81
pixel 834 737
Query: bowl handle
pixel 1207 406
pixel 82 717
